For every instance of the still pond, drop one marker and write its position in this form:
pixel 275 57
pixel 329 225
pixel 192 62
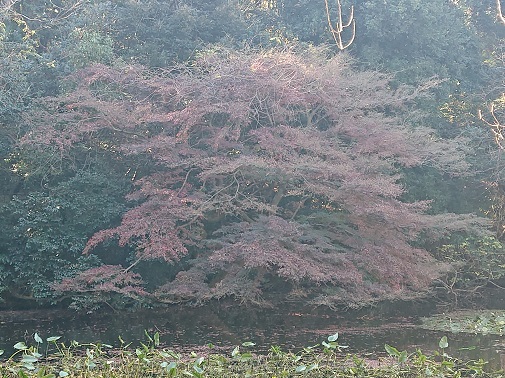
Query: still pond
pixel 364 331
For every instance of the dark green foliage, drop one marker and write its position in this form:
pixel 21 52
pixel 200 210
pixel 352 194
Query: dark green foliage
pixel 419 39
pixel 155 33
pixel 17 52
pixel 425 183
pixel 43 233
pixel 290 20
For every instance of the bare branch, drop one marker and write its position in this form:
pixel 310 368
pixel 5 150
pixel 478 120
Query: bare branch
pixel 7 4
pixel 340 26
pixel 500 12
pixel 497 127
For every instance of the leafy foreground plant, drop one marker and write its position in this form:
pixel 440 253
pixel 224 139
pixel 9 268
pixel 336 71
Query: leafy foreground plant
pixel 55 359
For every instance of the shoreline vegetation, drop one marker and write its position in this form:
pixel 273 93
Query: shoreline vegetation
pixel 51 358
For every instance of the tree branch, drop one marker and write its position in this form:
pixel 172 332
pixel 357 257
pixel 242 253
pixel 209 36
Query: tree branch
pixel 500 13
pixel 340 26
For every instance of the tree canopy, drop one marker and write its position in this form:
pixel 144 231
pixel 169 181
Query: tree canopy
pixel 180 152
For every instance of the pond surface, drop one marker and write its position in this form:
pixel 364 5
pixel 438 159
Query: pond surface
pixel 364 331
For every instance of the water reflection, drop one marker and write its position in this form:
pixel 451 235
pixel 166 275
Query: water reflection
pixel 364 332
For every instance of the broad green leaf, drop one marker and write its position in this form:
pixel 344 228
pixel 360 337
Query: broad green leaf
pixel 20 346
pixel 29 366
pixel 37 338
pixel 392 351
pixel 246 356
pixel 448 363
pixel 148 336
pixel 301 368
pixel 235 352
pixel 333 337
pixel 198 369
pixel 90 353
pixel 90 365
pixel 52 339
pixel 402 358
pixel 248 344
pixel 170 354
pixel 27 358
pixel 169 366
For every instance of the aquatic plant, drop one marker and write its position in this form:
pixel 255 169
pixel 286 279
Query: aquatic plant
pixel 152 359
pixel 470 321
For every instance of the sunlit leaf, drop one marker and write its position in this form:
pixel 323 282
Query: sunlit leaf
pixel 148 336
pixel 169 366
pixel 29 366
pixel 198 369
pixel 333 337
pixel 402 358
pixel 37 338
pixel 301 368
pixel 90 365
pixel 20 346
pixel 392 351
pixel 27 358
pixel 235 352
pixel 89 353
pixel 246 356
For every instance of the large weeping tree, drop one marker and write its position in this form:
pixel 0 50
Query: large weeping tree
pixel 257 174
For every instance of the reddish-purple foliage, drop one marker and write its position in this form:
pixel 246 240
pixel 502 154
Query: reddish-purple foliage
pixel 104 279
pixel 289 155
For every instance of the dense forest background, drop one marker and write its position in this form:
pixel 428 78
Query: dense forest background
pixel 178 151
